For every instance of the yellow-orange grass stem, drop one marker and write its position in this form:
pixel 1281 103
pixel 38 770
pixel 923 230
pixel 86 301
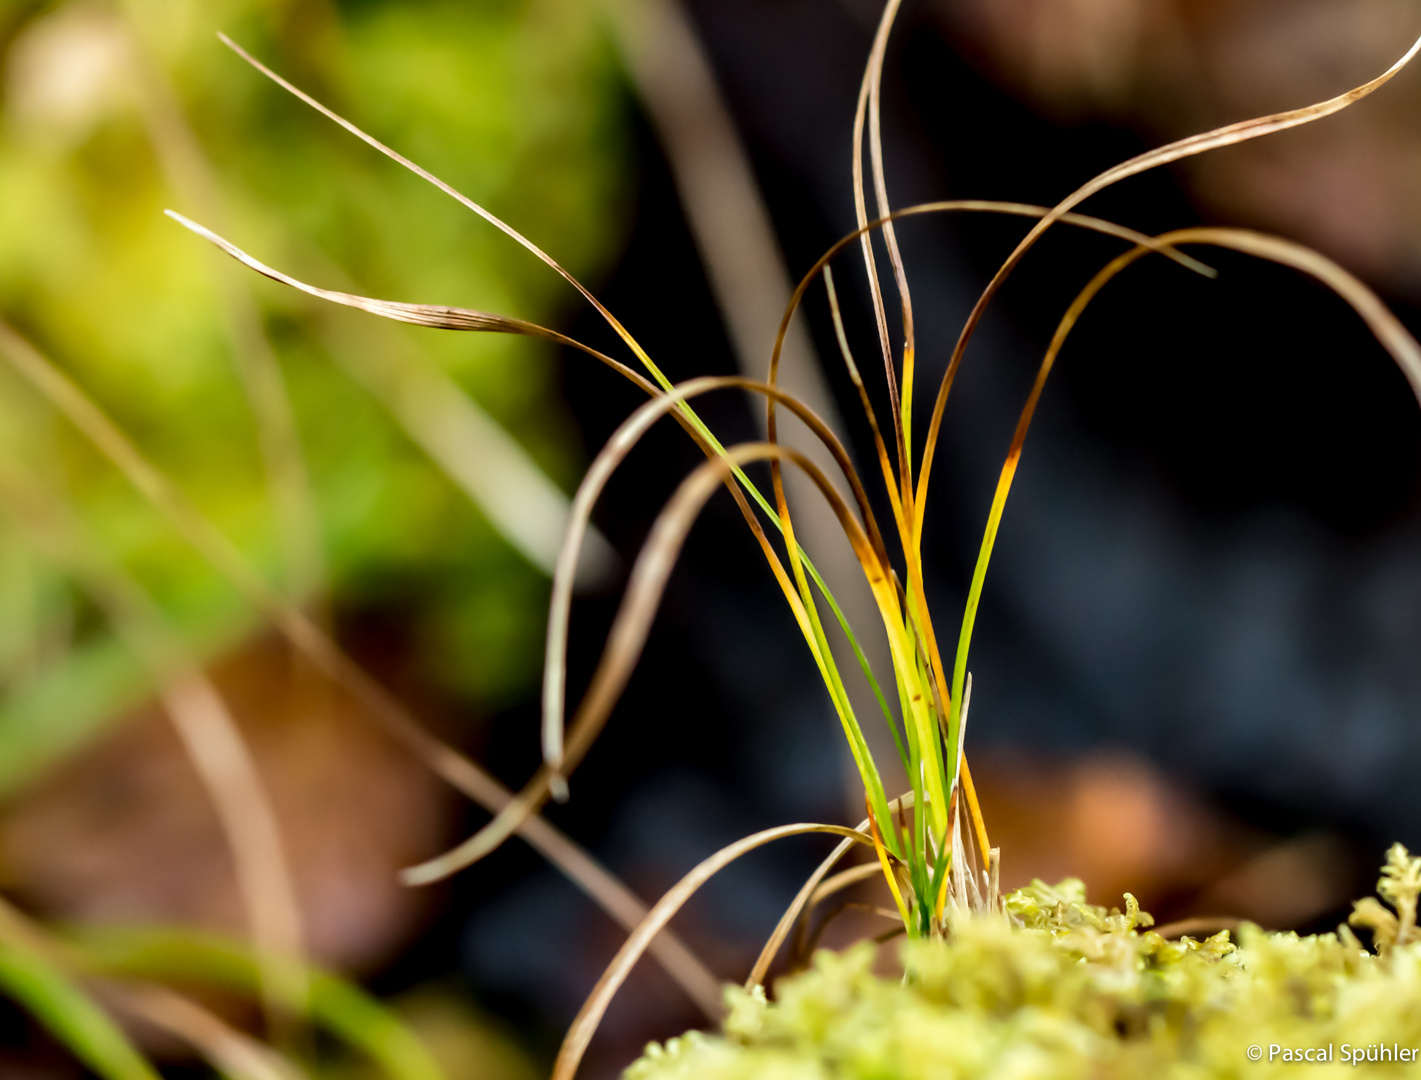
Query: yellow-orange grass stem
pixel 887 866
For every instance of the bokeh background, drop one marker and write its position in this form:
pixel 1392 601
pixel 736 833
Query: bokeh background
pixel 1195 669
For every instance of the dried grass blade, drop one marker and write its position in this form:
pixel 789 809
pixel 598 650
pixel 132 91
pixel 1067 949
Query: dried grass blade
pixel 432 315
pixel 456 195
pixel 1385 327
pixel 327 657
pixel 633 620
pixel 232 1053
pixel 844 879
pixel 1175 151
pixel 518 498
pixel 884 463
pixel 803 897
pixel 608 459
pixel 890 239
pixel 206 728
pixel 580 1033
pixel 866 93
pixel 187 170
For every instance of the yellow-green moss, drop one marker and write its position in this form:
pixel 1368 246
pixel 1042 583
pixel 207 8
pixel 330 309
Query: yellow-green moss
pixel 1061 988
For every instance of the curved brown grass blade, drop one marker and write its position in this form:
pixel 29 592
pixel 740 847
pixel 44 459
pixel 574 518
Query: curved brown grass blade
pixel 844 879
pixel 885 464
pixel 206 728
pixel 446 422
pixel 621 443
pixel 1385 326
pixel 453 193
pixel 1175 151
pixel 447 318
pixel 232 1053
pixel 868 90
pixel 957 205
pixel 436 316
pixel 328 658
pixel 188 171
pixel 235 1054
pixel 580 1033
pixel 890 239
pixel 633 622
pixel 791 916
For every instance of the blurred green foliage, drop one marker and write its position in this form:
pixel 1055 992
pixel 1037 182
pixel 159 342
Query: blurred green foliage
pixel 113 111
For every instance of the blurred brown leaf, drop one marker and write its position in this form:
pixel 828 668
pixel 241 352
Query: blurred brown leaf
pixel 123 831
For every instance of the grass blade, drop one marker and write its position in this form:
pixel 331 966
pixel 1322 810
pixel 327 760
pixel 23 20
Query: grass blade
pixel 874 75
pixel 590 1016
pixel 187 170
pixel 868 90
pixel 1385 327
pixel 608 459
pixel 232 1053
pixel 327 657
pixel 805 897
pixel 206 728
pixel 70 1015
pixel 1175 151
pixel 193 957
pixel 459 197
pixel 632 624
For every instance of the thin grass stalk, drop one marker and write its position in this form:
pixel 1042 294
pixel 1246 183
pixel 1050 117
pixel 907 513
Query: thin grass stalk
pixel 327 657
pixel 187 170
pixel 874 74
pixel 642 595
pixel 805 897
pixel 232 1053
pixel 1175 151
pixel 206 728
pixel 1385 327
pixel 465 319
pixel 34 978
pixel 875 62
pixel 579 1034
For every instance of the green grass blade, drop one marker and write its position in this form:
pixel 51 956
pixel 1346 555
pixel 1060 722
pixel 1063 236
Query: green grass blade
pixel 70 1015
pixel 339 1007
pixel 862 659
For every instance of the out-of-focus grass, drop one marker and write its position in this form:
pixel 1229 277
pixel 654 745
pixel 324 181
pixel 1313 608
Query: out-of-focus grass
pixel 514 102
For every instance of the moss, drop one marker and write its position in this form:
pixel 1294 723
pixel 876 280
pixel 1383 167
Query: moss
pixel 1056 987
